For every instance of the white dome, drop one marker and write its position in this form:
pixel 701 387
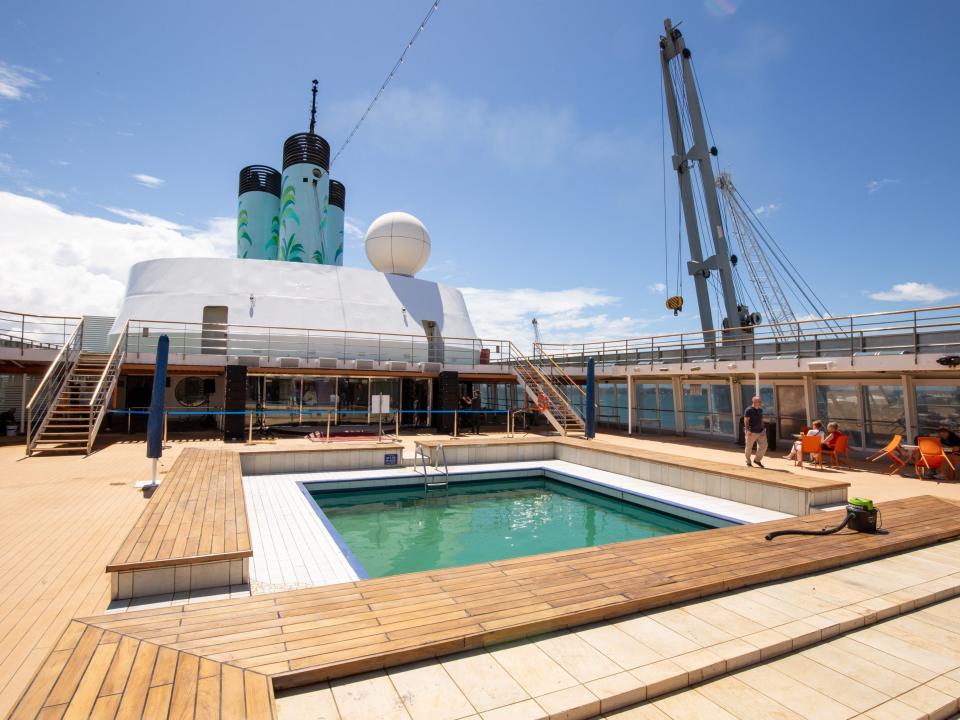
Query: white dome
pixel 397 243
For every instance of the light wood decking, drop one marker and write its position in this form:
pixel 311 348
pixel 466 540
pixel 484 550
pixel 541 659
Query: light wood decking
pixel 297 637
pixel 196 515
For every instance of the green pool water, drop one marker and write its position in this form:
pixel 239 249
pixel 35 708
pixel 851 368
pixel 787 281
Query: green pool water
pixel 400 530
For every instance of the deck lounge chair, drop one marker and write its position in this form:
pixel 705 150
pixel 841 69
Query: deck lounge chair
pixel 892 453
pixel 840 448
pixel 811 445
pixel 930 455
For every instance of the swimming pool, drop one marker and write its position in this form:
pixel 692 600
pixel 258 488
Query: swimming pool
pixel 397 530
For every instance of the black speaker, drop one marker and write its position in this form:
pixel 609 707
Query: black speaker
pixel 447 397
pixel 235 401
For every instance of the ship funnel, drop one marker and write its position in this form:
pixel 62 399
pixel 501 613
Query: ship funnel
pixel 258 213
pixel 334 230
pixel 303 199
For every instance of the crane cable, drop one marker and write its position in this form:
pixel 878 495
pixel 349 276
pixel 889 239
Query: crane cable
pixel 393 71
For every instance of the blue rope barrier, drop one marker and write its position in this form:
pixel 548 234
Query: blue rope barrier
pixel 306 412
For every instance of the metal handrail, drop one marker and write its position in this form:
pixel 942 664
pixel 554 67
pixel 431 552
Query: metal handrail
pixel 792 325
pixel 108 379
pixel 60 369
pixel 29 330
pixel 274 342
pixel 566 377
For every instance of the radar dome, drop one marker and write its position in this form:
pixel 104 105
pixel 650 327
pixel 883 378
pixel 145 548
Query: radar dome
pixel 397 243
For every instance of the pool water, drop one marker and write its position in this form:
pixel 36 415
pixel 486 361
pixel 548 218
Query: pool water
pixel 400 530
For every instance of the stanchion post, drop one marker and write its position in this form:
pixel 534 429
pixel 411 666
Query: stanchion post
pixel 398 423
pixel 165 414
pixel 456 414
pixel 250 429
pixel 328 427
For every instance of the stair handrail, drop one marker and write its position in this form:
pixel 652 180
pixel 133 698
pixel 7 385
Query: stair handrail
pixel 51 385
pixel 566 377
pixel 108 379
pixel 545 381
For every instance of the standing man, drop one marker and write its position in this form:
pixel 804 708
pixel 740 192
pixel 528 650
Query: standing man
pixel 753 431
pixel 475 414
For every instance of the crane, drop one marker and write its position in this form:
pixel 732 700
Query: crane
pixel 537 339
pixel 764 279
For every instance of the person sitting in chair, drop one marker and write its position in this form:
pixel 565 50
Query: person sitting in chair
pixel 816 429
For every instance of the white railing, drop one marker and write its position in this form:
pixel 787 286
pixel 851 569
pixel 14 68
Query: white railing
pixel 897 332
pixel 48 391
pixel 25 331
pixel 272 343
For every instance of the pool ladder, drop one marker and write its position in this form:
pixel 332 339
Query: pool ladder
pixel 440 481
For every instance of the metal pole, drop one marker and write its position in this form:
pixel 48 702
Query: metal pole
pixel 328 427
pixel 456 413
pixel 250 429
pixel 165 413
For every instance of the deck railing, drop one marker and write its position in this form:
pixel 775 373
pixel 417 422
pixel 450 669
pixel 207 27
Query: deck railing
pixel 274 343
pixel 25 331
pixel 48 391
pixel 897 332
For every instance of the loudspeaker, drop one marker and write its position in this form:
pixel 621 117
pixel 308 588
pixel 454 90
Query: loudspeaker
pixel 235 401
pixel 447 397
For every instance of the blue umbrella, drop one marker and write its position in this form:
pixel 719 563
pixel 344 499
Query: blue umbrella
pixel 155 418
pixel 590 421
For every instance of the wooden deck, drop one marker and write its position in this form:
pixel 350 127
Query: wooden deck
pixel 196 515
pixel 294 638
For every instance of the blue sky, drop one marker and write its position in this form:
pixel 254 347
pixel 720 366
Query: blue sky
pixel 526 135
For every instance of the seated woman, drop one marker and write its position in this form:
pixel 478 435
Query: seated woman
pixel 816 429
pixel 833 433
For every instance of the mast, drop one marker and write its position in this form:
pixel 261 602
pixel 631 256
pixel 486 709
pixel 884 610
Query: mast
pixel 313 109
pixel 736 315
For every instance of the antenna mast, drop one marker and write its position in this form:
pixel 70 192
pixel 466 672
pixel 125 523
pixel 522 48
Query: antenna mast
pixel 687 108
pixel 313 109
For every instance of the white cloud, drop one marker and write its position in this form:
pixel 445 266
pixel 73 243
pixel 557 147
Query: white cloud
pixel 148 180
pixel 146 220
pixel 768 209
pixel 43 193
pixel 564 316
pixel 3 124
pixel 15 81
pixel 64 263
pixel 657 289
pixel 875 186
pixel 913 292
pixel 519 137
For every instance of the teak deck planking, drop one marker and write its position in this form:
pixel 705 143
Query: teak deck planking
pixel 298 637
pixel 197 513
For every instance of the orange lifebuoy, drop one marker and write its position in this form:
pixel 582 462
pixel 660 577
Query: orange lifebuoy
pixel 542 402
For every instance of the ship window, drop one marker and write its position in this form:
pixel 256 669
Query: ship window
pixel 192 391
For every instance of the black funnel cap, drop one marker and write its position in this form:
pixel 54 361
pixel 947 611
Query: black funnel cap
pixel 260 177
pixel 306 148
pixel 338 194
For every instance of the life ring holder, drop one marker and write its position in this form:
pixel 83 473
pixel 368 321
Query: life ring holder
pixel 542 403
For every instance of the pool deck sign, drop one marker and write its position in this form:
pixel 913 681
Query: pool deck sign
pixel 379 406
pixel 390 458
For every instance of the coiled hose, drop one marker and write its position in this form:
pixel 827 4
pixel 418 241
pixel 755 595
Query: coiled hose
pixel 825 531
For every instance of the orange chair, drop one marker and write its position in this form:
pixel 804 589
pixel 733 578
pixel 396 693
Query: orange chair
pixel 930 455
pixel 811 445
pixel 839 448
pixel 892 453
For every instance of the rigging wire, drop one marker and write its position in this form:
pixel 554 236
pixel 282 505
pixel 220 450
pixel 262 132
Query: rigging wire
pixel 390 75
pixel 663 164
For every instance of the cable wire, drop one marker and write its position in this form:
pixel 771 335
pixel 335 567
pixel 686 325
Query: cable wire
pixel 393 71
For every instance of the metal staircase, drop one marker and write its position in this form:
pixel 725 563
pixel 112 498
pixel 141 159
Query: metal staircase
pixel 66 427
pixel 68 407
pixel 539 384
